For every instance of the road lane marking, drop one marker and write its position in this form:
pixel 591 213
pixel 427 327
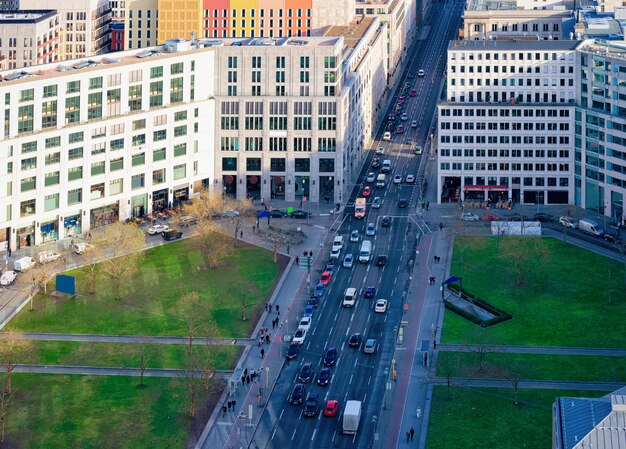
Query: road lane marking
pixel 293 435
pixel 350 383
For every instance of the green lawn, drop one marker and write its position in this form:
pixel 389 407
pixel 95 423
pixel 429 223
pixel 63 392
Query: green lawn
pixel 127 355
pixel 50 412
pixel 488 418
pixel 564 299
pixel 534 366
pixel 151 305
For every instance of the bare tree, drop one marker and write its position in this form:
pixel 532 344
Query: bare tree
pixel 240 212
pixel 512 374
pixel 212 243
pixel 142 355
pixel 119 240
pixel 14 349
pixel 481 349
pixel 91 253
pixel 193 384
pixel 5 404
pixel 277 239
pixel 204 207
pixel 41 274
pixel 518 253
pixel 194 314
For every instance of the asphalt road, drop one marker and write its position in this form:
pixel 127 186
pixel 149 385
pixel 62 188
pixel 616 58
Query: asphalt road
pixel 357 375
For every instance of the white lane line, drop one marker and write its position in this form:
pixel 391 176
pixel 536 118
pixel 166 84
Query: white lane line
pixel 313 436
pixel 350 383
pixel 281 414
pixel 293 435
pixel 273 433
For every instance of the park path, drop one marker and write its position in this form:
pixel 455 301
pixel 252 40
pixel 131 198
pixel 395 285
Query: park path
pixel 114 371
pixel 547 350
pixel 137 339
pixel 533 384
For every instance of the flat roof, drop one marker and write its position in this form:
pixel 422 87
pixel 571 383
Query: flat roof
pixel 352 33
pixel 26 15
pixel 500 45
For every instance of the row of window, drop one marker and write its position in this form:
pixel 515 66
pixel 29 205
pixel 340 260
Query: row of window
pixel 545 27
pixel 324 144
pixel 503 112
pixel 513 180
pixel 242 13
pixel 256 122
pixel 544 68
pixel 497 82
pixel 503 166
pixel 516 140
pixel 278 165
pixel 519 56
pixel 504 153
pixel 515 126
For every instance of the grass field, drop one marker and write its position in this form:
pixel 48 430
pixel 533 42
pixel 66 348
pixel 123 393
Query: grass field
pixel 563 300
pixel 534 366
pixel 152 307
pixel 50 412
pixel 127 355
pixel 488 418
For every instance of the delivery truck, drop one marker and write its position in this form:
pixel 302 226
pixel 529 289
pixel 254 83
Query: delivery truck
pixel 590 227
pixel 351 417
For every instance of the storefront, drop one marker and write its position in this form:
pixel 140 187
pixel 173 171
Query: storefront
pixel 50 230
pixel 26 236
pixel 486 193
pixel 139 205
pixel 253 187
pixel 229 183
pixel 72 226
pixel 160 200
pixel 277 187
pixel 327 188
pixel 302 187
pixel 104 215
pixel 181 194
pixel 5 238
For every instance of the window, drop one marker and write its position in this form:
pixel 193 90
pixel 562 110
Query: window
pixel 27 95
pixel 74 196
pixel 75 173
pixel 156 72
pixel 29 163
pixel 158 154
pixel 53 142
pixel 180 171
pixel 180 131
pixel 180 150
pixel 116 186
pixel 277 164
pixel 72 87
pixel 138 159
pixel 97 191
pixel 29 183
pixel 326 165
pixel 158 176
pixel 53 158
pixel 180 115
pixel 137 181
pixel 302 165
pixel 229 164
pixel 50 91
pixel 116 164
pixel 76 137
pixel 159 135
pixel 75 153
pixel 176 68
pixel 95 83
pixel 29 147
pixel 27 208
pixel 51 202
pixel 97 168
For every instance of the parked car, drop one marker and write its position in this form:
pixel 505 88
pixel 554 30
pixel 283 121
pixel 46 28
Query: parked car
pixel 613 238
pixel 386 137
pixel 7 278
pixel 381 261
pixel 313 301
pixel 348 261
pixel 367 191
pixel 299 336
pixel 309 311
pixel 296 397
pixel 331 265
pixel 381 150
pixel 386 221
pixel 81 247
pixel 306 373
pixel 411 75
pixel 326 277
pixel 371 229
pixel 331 409
pixel 517 217
pixel 375 162
pixel 335 253
pixel 567 222
pixel 323 378
pixel 404 116
pixel 48 256
pixel 310 406
pixel 300 214
pixel 370 346
pixel 231 214
pixel 369 293
pixel 319 290
pixel 490 216
pixel 371 177
pixel 305 323
pixel 376 203
pixel 543 217
pixel 403 203
pixel 381 306
pixel 188 220
pixel 399 129
pixel 418 150
pixel 413 93
pixel 157 229
pixel 23 264
pixel 354 236
pixel 468 216
pixel 354 341
pixel 277 213
pixel 172 234
pixel 293 350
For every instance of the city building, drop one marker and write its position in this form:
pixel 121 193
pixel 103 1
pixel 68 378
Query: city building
pixel 118 10
pixel 506 128
pixel 117 36
pixel 85 25
pixel 141 24
pixel 9 5
pixel 30 37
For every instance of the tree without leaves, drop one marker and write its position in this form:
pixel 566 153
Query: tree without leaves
pixel 245 215
pixel 481 348
pixel 204 207
pixel 5 403
pixel 512 374
pixel 91 269
pixel 14 349
pixel 518 253
pixel 213 245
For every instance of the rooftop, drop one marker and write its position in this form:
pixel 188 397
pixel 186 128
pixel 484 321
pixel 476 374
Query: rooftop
pixel 604 47
pixel 352 33
pixel 601 26
pixel 510 5
pixel 505 45
pixel 26 15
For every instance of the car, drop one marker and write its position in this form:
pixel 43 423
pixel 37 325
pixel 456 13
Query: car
pixel 323 378
pixel 231 214
pixel 369 293
pixel 401 97
pixel 305 323
pixel 386 221
pixel 414 124
pixel 318 292
pixel 411 75
pixel 8 277
pixel 348 261
pixel 567 222
pixel 300 214
pixel 413 93
pixel 326 277
pixel 613 238
pixel 403 203
pixel 370 346
pixel 381 306
pixel 543 217
pixel 420 73
pixel 367 191
pixel 299 336
pixel 517 217
pixel 489 216
pixel 188 220
pixel 399 129
pixel 157 229
pixel 330 358
pixel 335 253
pixel 468 216
pixel 410 179
pixel 371 229
pixel 296 397
pixel 293 350
pixel 308 311
pixel 48 256
pixel 331 409
pixel 172 234
pixel 277 213
pixel 354 236
pixel 386 137
pixel 392 117
pixel 310 406
pixel 418 150
pixel 381 260
pixel 375 162
pixel 399 108
pixel 397 179
pixel 380 150
pixel 331 265
pixel 313 301
pixel 371 177
pixel 404 116
pixel 377 203
pixel 306 373
pixel 354 341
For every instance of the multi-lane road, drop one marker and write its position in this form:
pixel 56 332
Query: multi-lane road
pixel 356 375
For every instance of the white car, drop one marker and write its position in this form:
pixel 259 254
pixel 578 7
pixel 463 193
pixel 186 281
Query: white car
pixel 158 229
pixel 387 137
pixel 299 336
pixel 380 306
pixel 8 277
pixel 567 222
pixel 371 177
pixel 404 116
pixel 381 150
pixel 305 323
pixel 414 124
pixel 348 261
pixel 354 236
pixel 397 179
pixel 371 229
pixel 48 256
pixel 370 346
pixel 420 72
pixel 410 179
pixel 335 253
pixel 231 214
pixel 468 216
pixel 377 203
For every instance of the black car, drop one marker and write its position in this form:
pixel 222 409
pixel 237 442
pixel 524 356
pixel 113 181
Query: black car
pixel 277 213
pixel 386 221
pixel 381 261
pixel 293 350
pixel 354 341
pixel 331 357
pixel 306 373
pixel 172 234
pixel 296 397
pixel 310 406
pixel 375 162
pixel 613 238
pixel 323 378
pixel 517 217
pixel 544 218
pixel 403 203
pixel 370 292
pixel 300 214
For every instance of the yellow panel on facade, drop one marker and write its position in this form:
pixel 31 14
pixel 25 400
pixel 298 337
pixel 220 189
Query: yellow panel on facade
pixel 179 19
pixel 247 19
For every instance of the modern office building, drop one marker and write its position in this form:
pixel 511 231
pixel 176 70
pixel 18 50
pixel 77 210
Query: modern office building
pixel 30 37
pixel 85 24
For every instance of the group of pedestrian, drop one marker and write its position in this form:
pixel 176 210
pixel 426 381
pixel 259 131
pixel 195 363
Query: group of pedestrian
pixel 409 434
pixel 431 280
pixel 426 205
pixel 275 322
pixel 230 405
pixel 266 337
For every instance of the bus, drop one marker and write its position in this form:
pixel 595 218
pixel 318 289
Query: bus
pixel 359 208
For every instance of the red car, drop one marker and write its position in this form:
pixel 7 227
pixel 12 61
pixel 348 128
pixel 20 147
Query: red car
pixel 326 277
pixel 332 407
pixel 367 191
pixel 490 216
pixel 413 93
pixel 401 97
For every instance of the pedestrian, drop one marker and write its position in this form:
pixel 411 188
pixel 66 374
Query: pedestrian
pixel 419 412
pixel 248 379
pixel 9 251
pixel 262 331
pixel 253 228
pixel 267 339
pixel 229 405
pixel 254 376
pixel 274 324
pixel 277 308
pixel 408 436
pixel 425 359
pixel 288 248
pixel 280 325
pixel 243 381
pixel 434 344
pixel 297 260
pixel 412 433
pixel 262 352
pixel 441 226
pixel 245 372
pixel 234 402
pixel 259 342
pixel 427 205
pixel 224 409
pixel 240 234
pixel 311 254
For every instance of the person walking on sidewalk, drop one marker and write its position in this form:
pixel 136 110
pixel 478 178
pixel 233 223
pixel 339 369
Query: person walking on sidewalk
pixel 412 433
pixel 262 353
pixel 408 436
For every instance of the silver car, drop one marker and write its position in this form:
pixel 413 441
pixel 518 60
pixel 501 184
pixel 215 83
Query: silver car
pixel 468 216
pixel 348 261
pixel 376 203
pixel 371 229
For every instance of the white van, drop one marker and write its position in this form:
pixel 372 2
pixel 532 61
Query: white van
pixel 349 298
pixel 590 227
pixel 386 168
pixel 380 181
pixel 365 253
pixel 23 264
pixel 338 242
